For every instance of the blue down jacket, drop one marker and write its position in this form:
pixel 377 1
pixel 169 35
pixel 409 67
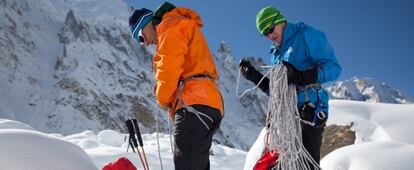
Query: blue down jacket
pixel 306 47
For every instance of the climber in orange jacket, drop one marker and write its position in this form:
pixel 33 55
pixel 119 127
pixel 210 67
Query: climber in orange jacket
pixel 186 79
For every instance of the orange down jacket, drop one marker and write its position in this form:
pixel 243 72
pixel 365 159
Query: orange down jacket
pixel 183 52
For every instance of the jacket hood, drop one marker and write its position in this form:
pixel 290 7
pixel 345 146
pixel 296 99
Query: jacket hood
pixel 185 12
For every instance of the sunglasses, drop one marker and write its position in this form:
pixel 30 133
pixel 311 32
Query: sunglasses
pixel 272 27
pixel 139 38
pixel 269 30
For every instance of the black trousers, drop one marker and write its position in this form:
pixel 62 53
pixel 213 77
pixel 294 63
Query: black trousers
pixel 192 139
pixel 312 135
pixel 312 140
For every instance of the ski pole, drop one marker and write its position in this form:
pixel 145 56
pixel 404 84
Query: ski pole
pixel 133 141
pixel 141 144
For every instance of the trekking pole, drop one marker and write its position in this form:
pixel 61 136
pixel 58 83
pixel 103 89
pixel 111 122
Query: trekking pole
pixel 141 144
pixel 133 141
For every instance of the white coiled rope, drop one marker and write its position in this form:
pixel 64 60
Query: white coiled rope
pixel 284 128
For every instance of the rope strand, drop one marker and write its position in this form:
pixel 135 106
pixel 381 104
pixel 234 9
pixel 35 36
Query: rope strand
pixel 158 141
pixel 285 133
pixel 248 90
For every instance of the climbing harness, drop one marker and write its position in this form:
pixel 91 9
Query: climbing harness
pixel 190 108
pixel 319 117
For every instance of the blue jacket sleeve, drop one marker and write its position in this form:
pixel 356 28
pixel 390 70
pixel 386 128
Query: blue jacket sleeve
pixel 323 56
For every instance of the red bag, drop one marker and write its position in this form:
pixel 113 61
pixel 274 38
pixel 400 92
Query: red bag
pixel 120 164
pixel 267 161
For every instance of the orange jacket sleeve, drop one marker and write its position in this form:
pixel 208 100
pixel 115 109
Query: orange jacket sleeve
pixel 169 58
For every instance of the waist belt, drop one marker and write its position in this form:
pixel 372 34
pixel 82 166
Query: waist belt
pixel 197 76
pixel 190 108
pixel 182 82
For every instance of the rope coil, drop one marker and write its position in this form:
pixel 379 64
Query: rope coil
pixel 284 128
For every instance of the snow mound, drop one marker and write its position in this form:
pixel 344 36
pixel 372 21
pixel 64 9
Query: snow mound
pixel 111 138
pixel 110 149
pixel 371 156
pixel 252 157
pixel 375 121
pixel 25 149
pixel 384 138
pixel 11 124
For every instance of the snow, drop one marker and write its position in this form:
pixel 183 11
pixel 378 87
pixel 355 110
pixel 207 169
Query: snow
pixel 366 89
pixel 26 149
pixel 375 121
pixel 223 158
pixel 102 82
pixel 30 149
pixel 252 156
pixel 384 138
pixel 68 87
pixel 66 77
pixel 378 155
pixel 11 124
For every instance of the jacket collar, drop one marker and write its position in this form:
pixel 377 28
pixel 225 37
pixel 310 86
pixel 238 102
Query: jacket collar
pixel 288 33
pixel 184 12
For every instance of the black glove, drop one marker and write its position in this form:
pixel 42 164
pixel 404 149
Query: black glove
pixel 250 73
pixel 300 77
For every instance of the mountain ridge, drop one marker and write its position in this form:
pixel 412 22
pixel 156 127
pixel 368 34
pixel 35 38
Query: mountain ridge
pixel 70 66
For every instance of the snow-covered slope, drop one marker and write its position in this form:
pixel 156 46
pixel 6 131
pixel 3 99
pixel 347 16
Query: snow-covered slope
pixel 384 141
pixel 384 138
pixel 30 149
pixel 24 148
pixel 366 89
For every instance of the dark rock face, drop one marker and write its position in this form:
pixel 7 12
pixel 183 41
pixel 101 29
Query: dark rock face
pixel 336 137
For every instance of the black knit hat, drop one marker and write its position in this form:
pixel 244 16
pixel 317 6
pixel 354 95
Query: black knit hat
pixel 138 20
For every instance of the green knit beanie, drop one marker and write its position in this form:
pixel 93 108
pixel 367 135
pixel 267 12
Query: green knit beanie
pixel 268 16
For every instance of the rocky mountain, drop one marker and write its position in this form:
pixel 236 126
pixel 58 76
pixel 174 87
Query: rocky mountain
pixel 245 115
pixel 65 70
pixel 69 66
pixel 367 89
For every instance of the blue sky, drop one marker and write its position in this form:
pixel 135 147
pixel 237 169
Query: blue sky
pixel 371 38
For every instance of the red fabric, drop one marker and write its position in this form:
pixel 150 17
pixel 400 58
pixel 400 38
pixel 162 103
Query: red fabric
pixel 120 164
pixel 267 161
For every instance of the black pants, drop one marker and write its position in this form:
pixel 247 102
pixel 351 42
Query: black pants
pixel 312 135
pixel 192 140
pixel 312 140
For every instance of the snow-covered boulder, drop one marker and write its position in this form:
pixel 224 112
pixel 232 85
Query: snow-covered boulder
pixel 25 149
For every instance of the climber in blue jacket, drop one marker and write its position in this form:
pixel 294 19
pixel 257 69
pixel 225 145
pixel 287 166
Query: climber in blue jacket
pixel 310 62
